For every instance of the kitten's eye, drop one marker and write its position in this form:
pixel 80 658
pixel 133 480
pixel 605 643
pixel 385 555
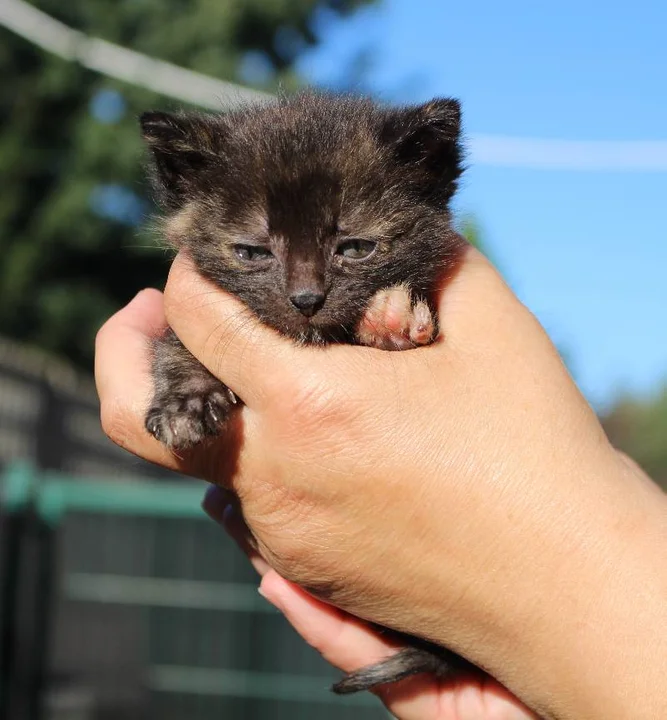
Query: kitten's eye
pixel 356 249
pixel 252 253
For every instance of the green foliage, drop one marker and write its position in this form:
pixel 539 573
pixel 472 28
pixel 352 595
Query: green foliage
pixel 72 184
pixel 472 231
pixel 639 428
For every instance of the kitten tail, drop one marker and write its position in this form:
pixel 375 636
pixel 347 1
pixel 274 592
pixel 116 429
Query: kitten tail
pixel 407 662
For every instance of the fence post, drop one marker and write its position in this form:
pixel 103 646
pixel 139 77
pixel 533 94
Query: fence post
pixel 51 441
pixel 42 591
pixel 26 587
pixel 17 487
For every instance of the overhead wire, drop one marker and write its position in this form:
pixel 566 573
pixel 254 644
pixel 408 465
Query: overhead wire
pixel 196 88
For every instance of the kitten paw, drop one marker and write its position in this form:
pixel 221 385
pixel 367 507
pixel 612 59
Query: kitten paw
pixel 182 421
pixel 392 322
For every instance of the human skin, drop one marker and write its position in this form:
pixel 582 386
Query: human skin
pixel 348 643
pixel 464 492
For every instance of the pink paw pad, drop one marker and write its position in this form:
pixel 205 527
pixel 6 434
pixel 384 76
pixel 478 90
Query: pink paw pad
pixel 391 322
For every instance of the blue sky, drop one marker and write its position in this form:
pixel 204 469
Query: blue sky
pixel 586 251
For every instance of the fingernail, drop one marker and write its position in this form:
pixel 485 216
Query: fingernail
pixel 215 503
pixel 276 604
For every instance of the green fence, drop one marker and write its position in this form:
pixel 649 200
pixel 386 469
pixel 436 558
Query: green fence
pixel 122 600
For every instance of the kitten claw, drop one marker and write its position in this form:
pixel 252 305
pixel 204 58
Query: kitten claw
pixel 182 421
pixel 391 322
pixel 211 413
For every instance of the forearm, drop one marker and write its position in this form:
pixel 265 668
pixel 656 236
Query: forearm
pixel 578 628
pixel 611 658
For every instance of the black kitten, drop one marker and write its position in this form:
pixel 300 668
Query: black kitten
pixel 328 217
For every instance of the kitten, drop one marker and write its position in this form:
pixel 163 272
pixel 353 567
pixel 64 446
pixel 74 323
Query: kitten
pixel 328 217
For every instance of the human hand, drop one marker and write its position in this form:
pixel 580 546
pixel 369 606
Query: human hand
pixel 347 643
pixel 463 492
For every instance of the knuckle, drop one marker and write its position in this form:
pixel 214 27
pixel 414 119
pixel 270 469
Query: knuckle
pixel 287 556
pixel 293 539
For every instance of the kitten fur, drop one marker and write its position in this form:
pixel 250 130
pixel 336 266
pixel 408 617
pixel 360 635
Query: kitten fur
pixel 328 216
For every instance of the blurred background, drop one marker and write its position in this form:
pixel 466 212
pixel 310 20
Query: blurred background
pixel 117 598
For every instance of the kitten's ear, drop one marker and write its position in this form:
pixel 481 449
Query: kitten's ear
pixel 427 135
pixel 182 146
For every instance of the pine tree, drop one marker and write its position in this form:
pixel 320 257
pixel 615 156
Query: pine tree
pixel 73 206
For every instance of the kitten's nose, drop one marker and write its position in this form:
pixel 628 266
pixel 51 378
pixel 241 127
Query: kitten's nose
pixel 307 302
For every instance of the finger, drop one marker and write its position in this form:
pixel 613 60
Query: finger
pixel 222 506
pixel 488 698
pixel 123 373
pixel 476 303
pixel 125 385
pixel 349 644
pixel 344 641
pixel 224 335
pixel 476 309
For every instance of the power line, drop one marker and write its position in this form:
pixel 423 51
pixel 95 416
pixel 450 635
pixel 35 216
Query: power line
pixel 186 85
pixel 579 155
pixel 118 62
